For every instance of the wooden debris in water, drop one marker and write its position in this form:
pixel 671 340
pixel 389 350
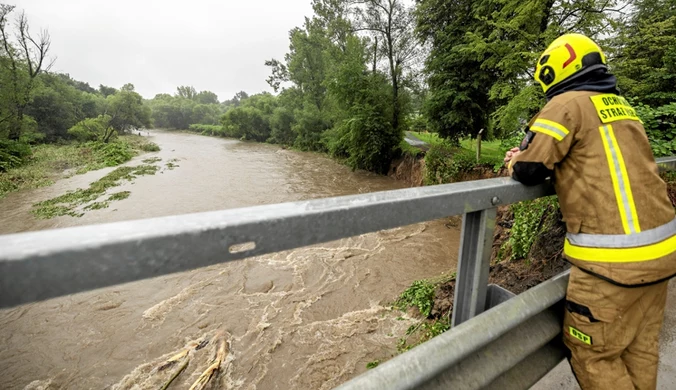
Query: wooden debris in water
pixel 172 360
pixel 217 361
pixel 176 374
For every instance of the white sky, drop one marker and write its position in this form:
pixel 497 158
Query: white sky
pixel 157 45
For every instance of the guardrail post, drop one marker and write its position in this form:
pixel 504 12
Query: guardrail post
pixel 473 265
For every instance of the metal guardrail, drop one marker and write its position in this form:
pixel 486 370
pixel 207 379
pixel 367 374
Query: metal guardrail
pixel 509 346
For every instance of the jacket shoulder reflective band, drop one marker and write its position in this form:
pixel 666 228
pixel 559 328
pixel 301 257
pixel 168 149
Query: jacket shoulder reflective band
pixel 623 248
pixel 550 128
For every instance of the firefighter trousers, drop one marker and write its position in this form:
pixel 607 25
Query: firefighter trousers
pixel 613 332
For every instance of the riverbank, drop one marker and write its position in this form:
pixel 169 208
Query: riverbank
pixel 312 317
pixel 420 159
pixel 51 162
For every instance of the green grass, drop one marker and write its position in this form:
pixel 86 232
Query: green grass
pixel 430 138
pixel 67 203
pixel 119 195
pixel 406 148
pixel 489 149
pixel 50 160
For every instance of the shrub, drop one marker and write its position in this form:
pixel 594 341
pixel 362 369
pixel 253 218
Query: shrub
pixel 418 123
pixel 281 124
pixel 149 147
pixel 112 154
pixel 420 295
pixel 93 129
pixel 660 126
pixel 531 218
pixel 444 163
pixel 12 154
pixel 369 139
pixel 206 129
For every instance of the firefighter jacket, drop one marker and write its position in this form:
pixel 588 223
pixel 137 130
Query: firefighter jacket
pixel 619 219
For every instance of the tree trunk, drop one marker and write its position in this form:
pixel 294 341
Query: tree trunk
pixel 395 81
pixel 375 55
pixel 15 126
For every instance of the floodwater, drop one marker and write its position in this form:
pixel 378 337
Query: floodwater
pixel 309 318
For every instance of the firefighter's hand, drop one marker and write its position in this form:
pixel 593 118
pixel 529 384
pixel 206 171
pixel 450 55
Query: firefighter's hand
pixel 513 152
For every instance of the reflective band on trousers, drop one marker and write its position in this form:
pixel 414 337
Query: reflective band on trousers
pixel 646 237
pixel 621 255
pixel 620 178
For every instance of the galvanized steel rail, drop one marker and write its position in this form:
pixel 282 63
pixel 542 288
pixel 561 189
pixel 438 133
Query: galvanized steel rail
pixel 47 264
pixel 509 346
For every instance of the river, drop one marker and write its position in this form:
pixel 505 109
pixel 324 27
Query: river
pixel 309 318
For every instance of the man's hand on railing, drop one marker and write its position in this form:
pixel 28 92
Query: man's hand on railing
pixel 513 152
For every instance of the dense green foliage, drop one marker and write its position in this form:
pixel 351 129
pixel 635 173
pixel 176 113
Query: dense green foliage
pixel 531 218
pixel 93 129
pixel 332 97
pixel 420 295
pixel 660 125
pixel 482 54
pixel 185 108
pixel 206 129
pixel 41 161
pixel 38 106
pixel 645 52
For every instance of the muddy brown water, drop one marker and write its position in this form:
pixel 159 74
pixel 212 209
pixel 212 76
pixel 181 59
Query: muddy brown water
pixel 309 318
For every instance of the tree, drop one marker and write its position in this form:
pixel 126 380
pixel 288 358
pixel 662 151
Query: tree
pixel 457 102
pixel 55 105
pixel 366 136
pixel 127 111
pixel 206 97
pixel 106 91
pixel 186 92
pixel 645 60
pixel 93 129
pixel 392 22
pixel 21 63
pixel 483 52
pixel 129 87
pixel 313 51
pixel 251 120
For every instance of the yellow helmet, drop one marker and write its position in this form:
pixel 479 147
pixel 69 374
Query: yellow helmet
pixel 570 55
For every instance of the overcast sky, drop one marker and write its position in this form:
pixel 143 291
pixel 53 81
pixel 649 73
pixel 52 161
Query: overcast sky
pixel 216 45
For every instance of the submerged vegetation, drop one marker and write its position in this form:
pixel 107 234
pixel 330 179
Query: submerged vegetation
pixel 68 203
pixel 46 162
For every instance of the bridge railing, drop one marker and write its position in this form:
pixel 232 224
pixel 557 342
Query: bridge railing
pixel 40 265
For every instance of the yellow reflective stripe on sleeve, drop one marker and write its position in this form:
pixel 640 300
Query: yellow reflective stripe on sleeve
pixel 551 128
pixel 620 179
pixel 621 255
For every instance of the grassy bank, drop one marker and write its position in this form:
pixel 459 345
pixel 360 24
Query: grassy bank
pixel 49 162
pixel 489 149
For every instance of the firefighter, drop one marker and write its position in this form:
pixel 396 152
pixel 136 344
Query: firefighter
pixel 621 228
